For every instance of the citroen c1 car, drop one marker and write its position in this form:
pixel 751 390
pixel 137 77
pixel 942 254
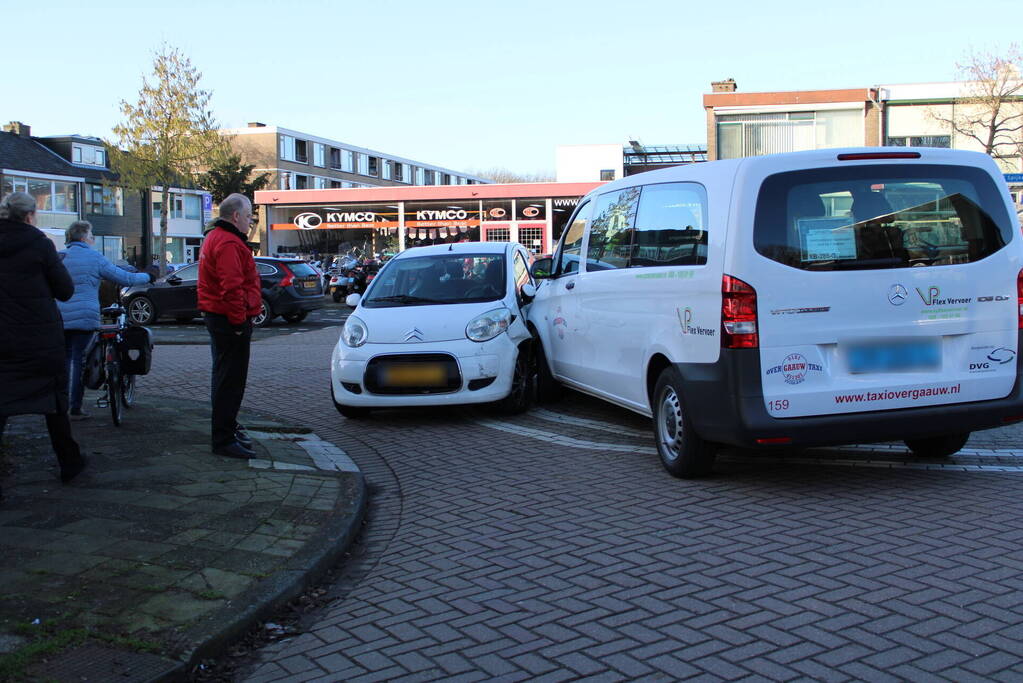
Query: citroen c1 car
pixel 812 298
pixel 439 325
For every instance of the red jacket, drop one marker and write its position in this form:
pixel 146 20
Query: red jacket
pixel 228 280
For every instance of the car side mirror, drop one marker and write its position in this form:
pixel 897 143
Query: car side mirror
pixel 528 292
pixel 172 280
pixel 542 268
pixel 353 300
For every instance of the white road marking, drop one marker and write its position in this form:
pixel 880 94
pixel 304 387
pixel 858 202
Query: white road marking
pixel 551 416
pixel 325 455
pixel 561 440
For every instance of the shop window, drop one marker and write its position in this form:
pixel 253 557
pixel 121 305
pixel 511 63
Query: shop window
pixel 607 174
pixel 530 210
pixel 301 152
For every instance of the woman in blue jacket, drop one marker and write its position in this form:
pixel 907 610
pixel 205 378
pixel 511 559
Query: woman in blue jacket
pixel 81 313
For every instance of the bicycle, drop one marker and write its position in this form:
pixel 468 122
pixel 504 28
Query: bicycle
pixel 119 386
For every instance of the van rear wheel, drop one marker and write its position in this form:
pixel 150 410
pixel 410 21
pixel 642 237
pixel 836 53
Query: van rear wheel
pixel 937 446
pixel 683 452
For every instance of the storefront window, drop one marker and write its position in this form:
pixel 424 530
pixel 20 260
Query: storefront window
pixel 497 210
pixel 530 210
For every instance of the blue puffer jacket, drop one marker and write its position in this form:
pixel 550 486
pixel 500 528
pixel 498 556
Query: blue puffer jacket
pixel 87 266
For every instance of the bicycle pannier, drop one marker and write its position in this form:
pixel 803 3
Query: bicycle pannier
pixel 136 351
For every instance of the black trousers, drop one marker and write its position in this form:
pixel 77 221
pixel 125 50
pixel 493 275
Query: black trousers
pixel 229 345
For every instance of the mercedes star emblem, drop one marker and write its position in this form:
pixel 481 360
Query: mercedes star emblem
pixel 897 295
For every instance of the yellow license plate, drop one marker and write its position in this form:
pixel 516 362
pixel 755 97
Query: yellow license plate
pixel 428 375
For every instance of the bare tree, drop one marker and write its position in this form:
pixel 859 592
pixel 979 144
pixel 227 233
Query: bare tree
pixel 503 175
pixel 990 111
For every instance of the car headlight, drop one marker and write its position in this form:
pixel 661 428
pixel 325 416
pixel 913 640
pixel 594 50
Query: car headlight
pixel 354 332
pixel 487 326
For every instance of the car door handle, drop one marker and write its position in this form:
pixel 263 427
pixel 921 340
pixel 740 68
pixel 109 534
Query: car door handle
pixel 570 285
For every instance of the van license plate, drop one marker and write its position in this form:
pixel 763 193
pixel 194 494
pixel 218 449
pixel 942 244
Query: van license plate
pixel 426 375
pixel 894 356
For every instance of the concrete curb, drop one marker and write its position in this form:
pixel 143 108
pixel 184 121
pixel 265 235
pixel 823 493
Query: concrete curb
pixel 305 568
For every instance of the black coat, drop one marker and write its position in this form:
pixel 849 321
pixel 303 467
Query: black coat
pixel 33 370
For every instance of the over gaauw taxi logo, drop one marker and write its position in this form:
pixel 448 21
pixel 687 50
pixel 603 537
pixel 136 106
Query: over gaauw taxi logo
pixel 685 318
pixel 794 368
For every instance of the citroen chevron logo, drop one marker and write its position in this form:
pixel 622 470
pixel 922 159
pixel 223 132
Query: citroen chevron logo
pixel 414 333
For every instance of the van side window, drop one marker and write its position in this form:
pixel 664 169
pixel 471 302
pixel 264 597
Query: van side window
pixel 567 259
pixel 671 226
pixel 614 217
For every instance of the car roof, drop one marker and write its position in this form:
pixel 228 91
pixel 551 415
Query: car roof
pixel 456 248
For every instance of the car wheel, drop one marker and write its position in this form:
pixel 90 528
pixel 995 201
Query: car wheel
pixel 937 446
pixel 141 311
pixel 548 389
pixel 295 317
pixel 265 315
pixel 683 452
pixel 523 388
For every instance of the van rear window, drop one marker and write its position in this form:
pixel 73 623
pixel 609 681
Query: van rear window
pixel 880 216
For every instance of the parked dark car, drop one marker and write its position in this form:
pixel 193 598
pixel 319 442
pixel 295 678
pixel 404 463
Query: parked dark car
pixel 291 288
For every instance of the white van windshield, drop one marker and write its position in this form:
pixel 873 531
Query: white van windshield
pixel 882 216
pixel 448 278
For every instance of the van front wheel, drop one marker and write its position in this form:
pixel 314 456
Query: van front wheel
pixel 937 446
pixel 683 453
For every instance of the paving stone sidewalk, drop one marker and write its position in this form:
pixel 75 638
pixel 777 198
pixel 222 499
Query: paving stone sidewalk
pixel 160 553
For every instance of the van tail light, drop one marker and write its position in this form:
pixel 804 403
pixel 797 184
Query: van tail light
pixel 738 314
pixel 1019 298
pixel 868 156
pixel 289 277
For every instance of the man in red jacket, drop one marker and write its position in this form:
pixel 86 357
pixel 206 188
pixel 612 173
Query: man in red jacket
pixel 230 296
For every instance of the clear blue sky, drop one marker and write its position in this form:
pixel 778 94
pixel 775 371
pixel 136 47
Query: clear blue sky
pixel 473 84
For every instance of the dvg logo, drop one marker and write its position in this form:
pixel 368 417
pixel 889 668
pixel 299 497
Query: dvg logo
pixel 897 295
pixel 307 221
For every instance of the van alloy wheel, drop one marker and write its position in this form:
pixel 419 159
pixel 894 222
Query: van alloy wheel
pixel 682 451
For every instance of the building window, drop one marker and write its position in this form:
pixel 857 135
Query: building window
pixel 747 135
pixel 335 158
pixel 182 206
pixel 301 182
pixel 301 151
pixel 363 163
pixel 944 141
pixel 50 195
pixel 88 155
pixel 428 177
pixel 348 161
pixel 111 247
pixel 386 168
pixel 374 166
pixel 446 179
pixel 104 201
pixel 76 154
pixel 398 171
pixel 607 174
pixel 335 184
pixel 318 154
pixel 287 148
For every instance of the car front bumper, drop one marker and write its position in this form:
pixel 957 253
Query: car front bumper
pixel 476 361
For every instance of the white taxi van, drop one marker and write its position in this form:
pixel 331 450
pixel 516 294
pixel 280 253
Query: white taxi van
pixel 439 325
pixel 812 298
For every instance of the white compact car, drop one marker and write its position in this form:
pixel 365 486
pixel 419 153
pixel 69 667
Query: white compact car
pixel 813 298
pixel 439 325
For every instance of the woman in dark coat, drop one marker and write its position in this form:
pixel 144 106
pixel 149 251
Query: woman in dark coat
pixel 33 371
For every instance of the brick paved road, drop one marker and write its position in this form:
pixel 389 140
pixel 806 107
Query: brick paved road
pixel 552 546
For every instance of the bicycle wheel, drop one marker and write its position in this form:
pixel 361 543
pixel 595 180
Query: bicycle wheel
pixel 114 397
pixel 128 390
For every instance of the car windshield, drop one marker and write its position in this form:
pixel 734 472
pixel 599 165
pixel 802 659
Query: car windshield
pixel 447 278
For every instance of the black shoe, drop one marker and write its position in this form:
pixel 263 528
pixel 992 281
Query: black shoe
pixel 235 450
pixel 243 438
pixel 69 473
